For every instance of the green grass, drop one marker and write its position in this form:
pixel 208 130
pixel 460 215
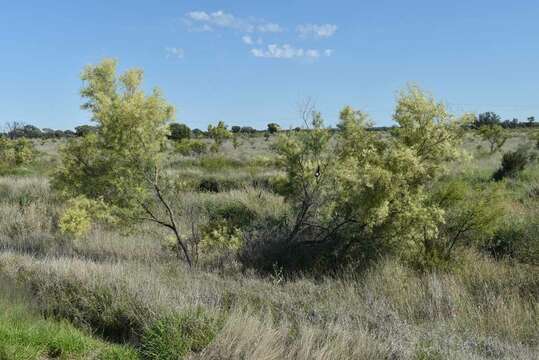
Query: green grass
pixel 25 335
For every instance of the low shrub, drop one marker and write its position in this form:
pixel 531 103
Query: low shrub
pixel 516 240
pixel 15 153
pixel 188 147
pixel 174 336
pixel 208 185
pixel 513 162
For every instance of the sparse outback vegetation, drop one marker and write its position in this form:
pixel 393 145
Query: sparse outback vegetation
pixel 132 241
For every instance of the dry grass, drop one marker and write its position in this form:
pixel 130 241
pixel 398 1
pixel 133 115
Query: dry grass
pixel 117 285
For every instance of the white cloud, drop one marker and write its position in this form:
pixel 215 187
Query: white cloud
pixel 270 28
pixel 285 51
pixel 249 40
pixel 328 52
pixel 199 15
pixel 221 19
pixel 317 31
pixel 173 52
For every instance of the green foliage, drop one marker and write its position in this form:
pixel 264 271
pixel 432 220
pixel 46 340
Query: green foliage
pixel 513 162
pixel 14 153
pixel 273 128
pixel 486 119
pixel 495 135
pixel 121 163
pixel 367 189
pixel 113 163
pixel 219 134
pixel 179 132
pixel 220 237
pixel 188 147
pixel 80 213
pixel 176 336
pixel 471 215
pixel 84 130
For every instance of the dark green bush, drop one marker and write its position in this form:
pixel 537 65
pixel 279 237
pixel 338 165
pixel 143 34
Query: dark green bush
pixel 179 132
pixel 512 163
pixel 175 336
pixel 208 185
pixel 517 241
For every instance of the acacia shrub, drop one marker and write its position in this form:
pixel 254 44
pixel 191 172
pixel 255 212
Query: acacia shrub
pixel 359 195
pixel 15 153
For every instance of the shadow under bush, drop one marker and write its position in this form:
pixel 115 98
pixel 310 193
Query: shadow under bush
pixel 269 247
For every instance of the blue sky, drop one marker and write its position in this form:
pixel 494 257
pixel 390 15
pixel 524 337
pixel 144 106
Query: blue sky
pixel 251 62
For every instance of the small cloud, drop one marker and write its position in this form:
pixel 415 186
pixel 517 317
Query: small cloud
pixel 249 40
pixel 270 28
pixel 285 51
pixel 328 52
pixel 199 15
pixel 174 53
pixel 317 31
pixel 197 20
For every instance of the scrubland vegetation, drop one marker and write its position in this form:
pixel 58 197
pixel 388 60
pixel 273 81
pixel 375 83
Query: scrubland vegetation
pixel 140 240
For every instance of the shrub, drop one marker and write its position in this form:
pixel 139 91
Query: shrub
pixel 209 185
pixel 517 240
pixel 495 135
pixel 273 128
pixel 80 213
pixel 14 153
pixel 364 192
pixel 513 162
pixel 219 134
pixel 175 336
pixel 188 147
pixel 179 132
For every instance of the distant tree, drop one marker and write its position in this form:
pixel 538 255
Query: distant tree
pixel 121 163
pixel 179 132
pixel 197 132
pixel 219 134
pixel 510 124
pixel 495 135
pixel 15 129
pixel 247 130
pixel 47 133
pixel 69 133
pixel 84 130
pixel 235 129
pixel 487 118
pixel 297 129
pixel 531 121
pixel 273 128
pixel 32 132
